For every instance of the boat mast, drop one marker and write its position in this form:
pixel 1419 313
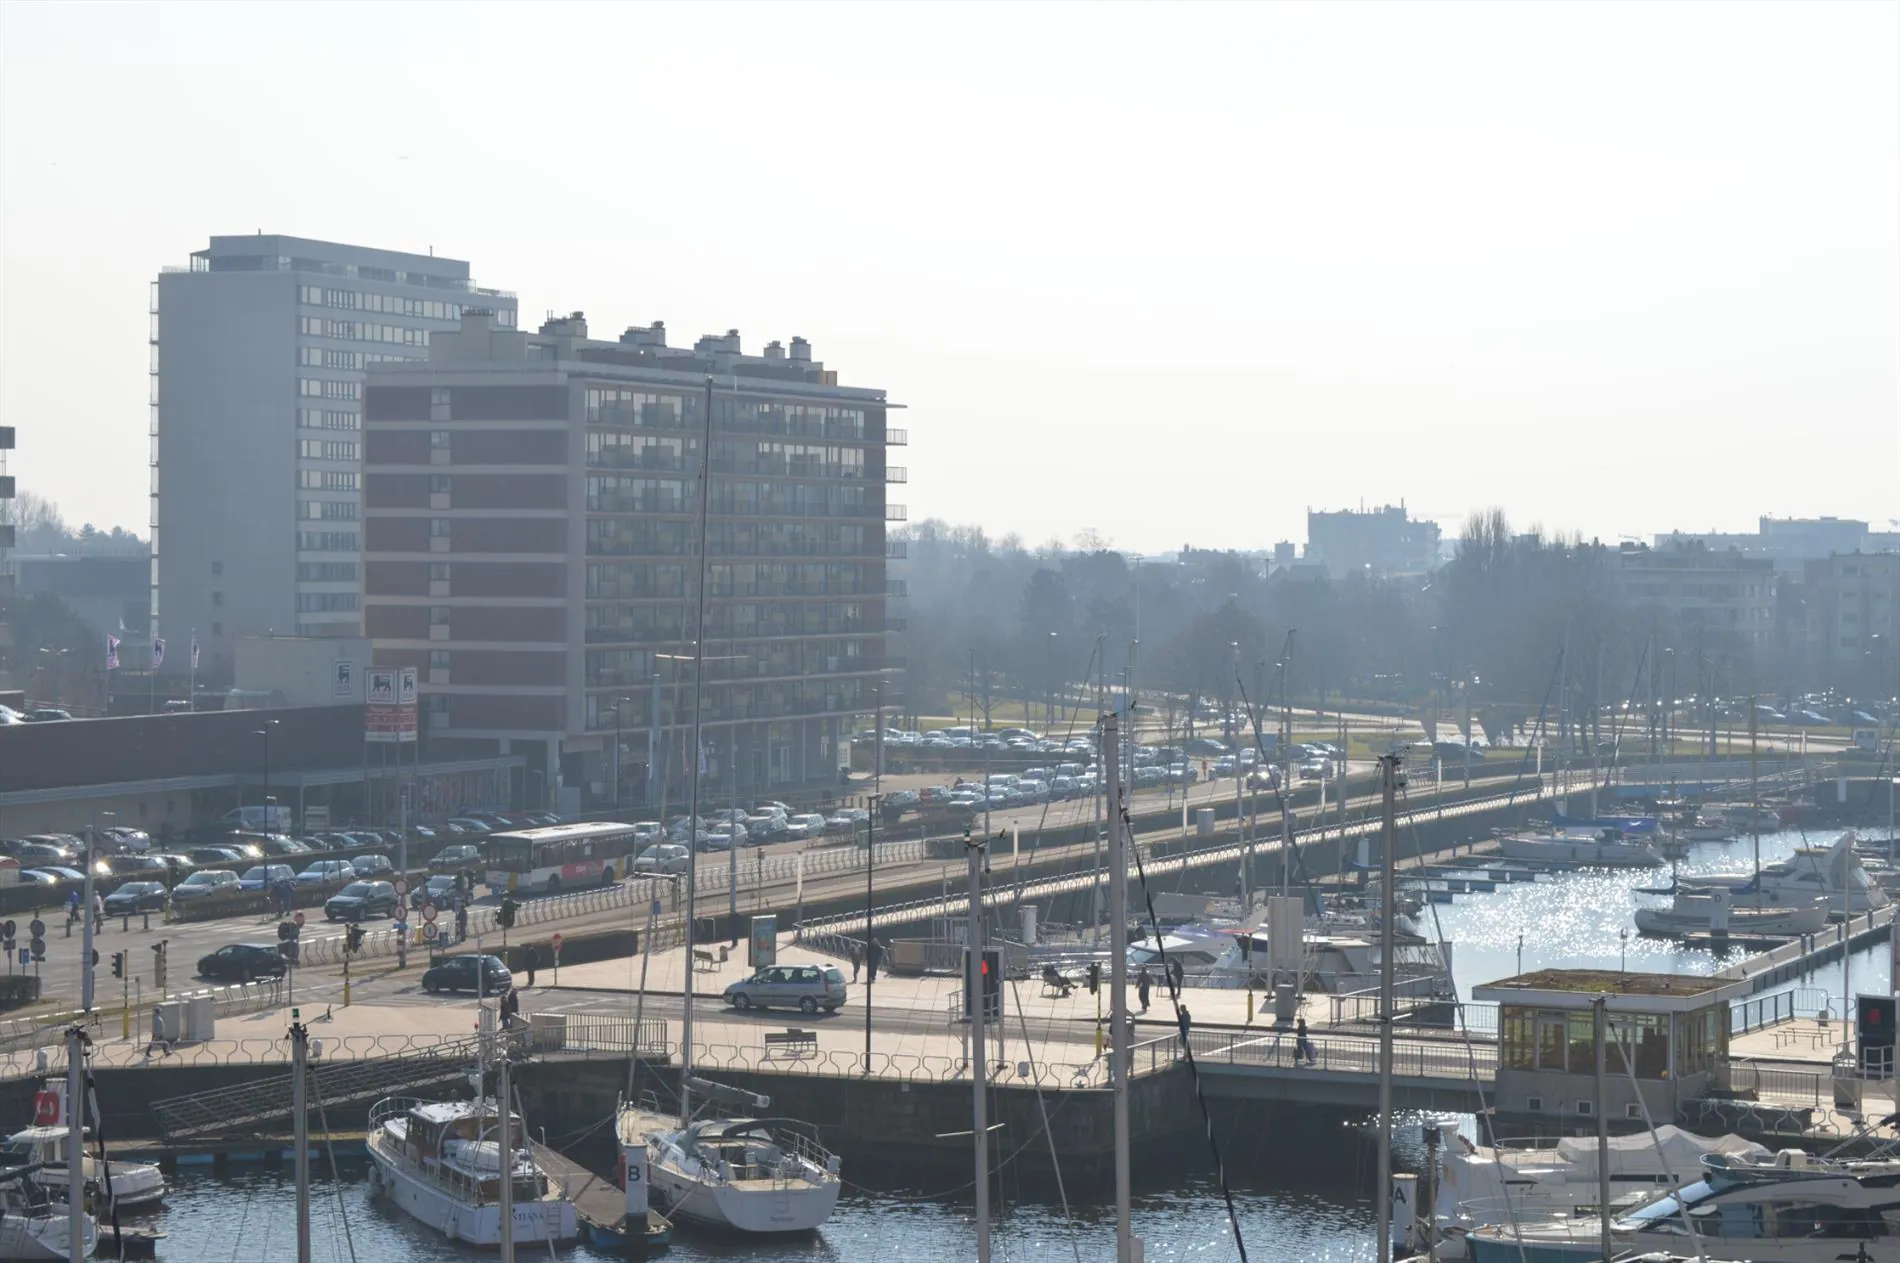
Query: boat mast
pixel 692 811
pixel 76 1145
pixel 976 1000
pixel 1389 774
pixel 506 1153
pixel 1118 981
pixel 1754 794
pixel 1602 1007
pixel 299 1062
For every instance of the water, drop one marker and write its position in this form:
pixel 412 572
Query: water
pixel 1308 1215
pixel 1575 921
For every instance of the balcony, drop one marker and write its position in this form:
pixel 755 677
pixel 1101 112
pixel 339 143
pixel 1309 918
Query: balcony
pixel 896 549
pixel 896 438
pixel 895 587
pixel 896 473
pixel 896 513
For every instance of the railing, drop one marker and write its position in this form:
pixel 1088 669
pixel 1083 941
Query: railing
pixel 1411 1059
pixel 1770 1010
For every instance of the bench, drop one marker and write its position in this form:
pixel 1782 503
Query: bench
pixel 1054 984
pixel 703 958
pixel 795 1041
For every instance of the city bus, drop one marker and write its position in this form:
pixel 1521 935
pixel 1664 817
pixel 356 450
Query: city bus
pixel 562 856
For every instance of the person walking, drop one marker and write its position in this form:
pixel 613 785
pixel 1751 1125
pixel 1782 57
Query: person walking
pixel 1143 985
pixel 873 957
pixel 98 908
pixel 72 907
pixel 510 1009
pixel 158 1039
pixel 1303 1053
pixel 1180 974
pixel 1187 1023
pixel 857 960
pixel 461 921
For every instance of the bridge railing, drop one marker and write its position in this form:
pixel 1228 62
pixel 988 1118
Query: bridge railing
pixel 1771 1010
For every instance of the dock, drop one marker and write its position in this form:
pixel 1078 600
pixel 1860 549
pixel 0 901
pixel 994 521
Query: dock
pixel 599 1204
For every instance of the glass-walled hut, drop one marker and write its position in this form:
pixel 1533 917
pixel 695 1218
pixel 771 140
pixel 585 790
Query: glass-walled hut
pixel 1667 1038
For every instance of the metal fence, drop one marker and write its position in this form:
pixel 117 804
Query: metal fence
pixel 1770 1010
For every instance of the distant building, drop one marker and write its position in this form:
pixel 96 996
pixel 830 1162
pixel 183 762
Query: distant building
pixel 1787 542
pixel 1380 541
pixel 258 352
pixel 6 560
pixel 531 504
pixel 303 670
pixel 1701 588
pixel 1853 621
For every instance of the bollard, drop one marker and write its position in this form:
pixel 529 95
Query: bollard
pixel 125 924
pixel 148 920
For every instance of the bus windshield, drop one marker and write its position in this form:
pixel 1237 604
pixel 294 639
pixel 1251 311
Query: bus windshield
pixel 510 855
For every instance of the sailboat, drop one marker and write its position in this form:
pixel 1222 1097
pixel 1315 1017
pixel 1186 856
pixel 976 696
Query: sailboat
pixel 32 1225
pixel 747 1175
pixel 44 1147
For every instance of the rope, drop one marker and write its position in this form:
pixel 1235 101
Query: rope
pixel 1042 1105
pixel 336 1181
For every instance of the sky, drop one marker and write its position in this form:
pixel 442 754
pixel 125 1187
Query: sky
pixel 1167 273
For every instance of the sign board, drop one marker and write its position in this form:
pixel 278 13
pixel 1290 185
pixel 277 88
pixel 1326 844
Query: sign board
pixel 402 887
pixel 429 931
pixel 762 947
pixel 556 942
pixel 382 717
pixel 316 819
pixel 343 686
pixel 428 913
pixel 406 705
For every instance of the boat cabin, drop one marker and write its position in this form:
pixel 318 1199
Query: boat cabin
pixel 1669 1032
pixel 456 1144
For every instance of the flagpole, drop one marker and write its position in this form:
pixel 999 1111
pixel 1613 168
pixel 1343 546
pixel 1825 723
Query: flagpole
pixel 191 697
pixel 151 706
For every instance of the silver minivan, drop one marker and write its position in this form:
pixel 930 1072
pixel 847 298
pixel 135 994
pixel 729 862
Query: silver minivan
pixel 806 987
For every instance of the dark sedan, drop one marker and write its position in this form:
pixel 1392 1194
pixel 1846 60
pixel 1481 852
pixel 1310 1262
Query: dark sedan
pixel 135 897
pixel 485 974
pixel 361 900
pixel 242 962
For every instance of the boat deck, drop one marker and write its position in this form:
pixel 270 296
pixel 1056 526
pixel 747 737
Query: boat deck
pixel 598 1202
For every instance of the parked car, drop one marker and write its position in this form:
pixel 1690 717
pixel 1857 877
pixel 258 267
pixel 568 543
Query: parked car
pixel 471 826
pixel 361 900
pixel 242 962
pixel 43 852
pixel 135 897
pixel 45 714
pixel 60 874
pixel 205 881
pixel 662 857
pixel 145 866
pixel 809 825
pixel 372 865
pixel 34 877
pixel 437 890
pixel 281 847
pixel 265 876
pixel 450 858
pixel 205 855
pixel 485 974
pixel 806 987
pixel 130 839
pixel 326 873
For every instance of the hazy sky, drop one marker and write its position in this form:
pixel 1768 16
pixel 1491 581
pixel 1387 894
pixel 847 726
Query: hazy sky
pixel 1171 273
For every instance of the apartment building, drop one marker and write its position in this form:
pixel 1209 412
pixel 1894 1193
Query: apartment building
pixel 531 510
pixel 258 352
pixel 1700 587
pixel 1384 541
pixel 1853 622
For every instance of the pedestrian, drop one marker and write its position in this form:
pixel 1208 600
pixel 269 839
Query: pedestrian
pixel 873 957
pixel 72 907
pixel 1143 984
pixel 1180 973
pixel 534 954
pixel 510 1009
pixel 857 960
pixel 461 920
pixel 158 1039
pixel 98 908
pixel 1302 1046
pixel 1187 1023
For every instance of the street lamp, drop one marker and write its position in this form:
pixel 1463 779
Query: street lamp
pixel 264 732
pixel 619 702
pixel 85 946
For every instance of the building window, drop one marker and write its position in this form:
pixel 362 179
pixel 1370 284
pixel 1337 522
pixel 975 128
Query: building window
pixel 320 449
pixel 327 510
pixel 438 484
pixel 438 528
pixel 326 572
pixel 328 419
pixel 439 440
pixel 327 479
pixel 438 659
pixel 327 541
pixel 217 598
pixel 438 572
pixel 217 567
pixel 438 616
pixel 326 602
pixel 325 388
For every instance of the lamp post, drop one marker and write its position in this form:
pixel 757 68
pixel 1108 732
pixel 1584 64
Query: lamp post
pixel 85 945
pixel 264 732
pixel 619 702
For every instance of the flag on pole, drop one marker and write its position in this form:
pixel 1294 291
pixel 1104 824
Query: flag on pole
pixel 194 651
pixel 112 653
pixel 158 652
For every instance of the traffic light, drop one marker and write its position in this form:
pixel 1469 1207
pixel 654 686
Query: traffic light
pixel 158 966
pixel 118 964
pixel 1095 976
pixel 991 971
pixel 95 958
pixel 353 939
pixel 1874 1023
pixel 505 915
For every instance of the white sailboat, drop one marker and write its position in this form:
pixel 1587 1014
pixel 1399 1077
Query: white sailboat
pixel 45 1145
pixel 1833 874
pixel 1604 848
pixel 444 1161
pixel 746 1175
pixel 1693 910
pixel 32 1226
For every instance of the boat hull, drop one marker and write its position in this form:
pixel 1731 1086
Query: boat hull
pixel 1585 851
pixel 133 1184
pixel 789 1208
pixel 41 1237
pixel 535 1222
pixel 1742 922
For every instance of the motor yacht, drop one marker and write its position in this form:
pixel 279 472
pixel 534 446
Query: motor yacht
pixel 1834 874
pixel 1600 848
pixel 1694 910
pixel 747 1175
pixel 443 1163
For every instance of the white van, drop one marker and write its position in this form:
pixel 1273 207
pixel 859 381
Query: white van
pixel 270 819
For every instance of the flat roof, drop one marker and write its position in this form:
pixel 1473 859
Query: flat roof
pixel 1628 992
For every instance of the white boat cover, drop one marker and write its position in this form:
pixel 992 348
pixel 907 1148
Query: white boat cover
pixel 1636 1153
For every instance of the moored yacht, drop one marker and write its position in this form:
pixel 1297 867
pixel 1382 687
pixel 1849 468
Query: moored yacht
pixel 747 1175
pixel 1719 910
pixel 33 1227
pixel 1794 1209
pixel 444 1161
pixel 1602 848
pixel 44 1150
pixel 1834 874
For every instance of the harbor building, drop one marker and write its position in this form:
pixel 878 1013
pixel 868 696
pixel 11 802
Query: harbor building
pixel 258 350
pixel 1384 541
pixel 1853 622
pixel 530 514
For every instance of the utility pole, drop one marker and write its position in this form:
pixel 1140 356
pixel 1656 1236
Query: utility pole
pixel 1101 708
pixel 299 1110
pixel 1240 817
pixel 1602 1015
pixel 870 980
pixel 75 1144
pixel 507 1153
